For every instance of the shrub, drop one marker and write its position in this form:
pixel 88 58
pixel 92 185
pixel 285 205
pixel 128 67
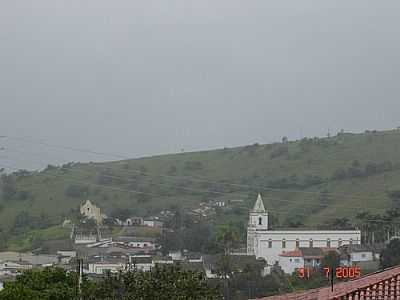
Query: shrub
pixel 355 172
pixel 193 165
pixel 172 170
pixel 339 174
pixel 8 188
pixel 50 168
pixel 104 177
pixel 76 191
pixel 23 195
pixel 312 180
pixel 282 150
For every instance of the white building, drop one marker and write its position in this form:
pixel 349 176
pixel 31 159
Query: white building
pixel 153 223
pixel 361 255
pixel 291 261
pixel 102 267
pixel 88 238
pixel 11 266
pixel 141 262
pixel 176 255
pixel 268 244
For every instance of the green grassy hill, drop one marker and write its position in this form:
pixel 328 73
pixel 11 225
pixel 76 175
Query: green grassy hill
pixel 312 180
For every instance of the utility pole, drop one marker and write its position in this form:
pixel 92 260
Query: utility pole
pixel 80 276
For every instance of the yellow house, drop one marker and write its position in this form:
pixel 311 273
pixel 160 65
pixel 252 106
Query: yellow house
pixel 91 211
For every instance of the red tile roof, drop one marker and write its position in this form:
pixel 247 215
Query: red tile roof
pixel 295 253
pixel 341 289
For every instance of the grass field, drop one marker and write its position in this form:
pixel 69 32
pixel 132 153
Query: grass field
pixel 27 241
pixel 297 180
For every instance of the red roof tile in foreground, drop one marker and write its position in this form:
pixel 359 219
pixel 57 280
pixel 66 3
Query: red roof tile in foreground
pixel 341 289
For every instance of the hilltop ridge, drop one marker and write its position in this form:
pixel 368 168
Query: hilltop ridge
pixel 310 181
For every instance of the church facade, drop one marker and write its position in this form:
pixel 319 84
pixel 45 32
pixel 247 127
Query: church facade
pixel 269 244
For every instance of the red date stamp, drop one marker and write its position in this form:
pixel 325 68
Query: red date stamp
pixel 339 273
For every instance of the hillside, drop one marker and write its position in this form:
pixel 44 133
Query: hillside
pixel 312 180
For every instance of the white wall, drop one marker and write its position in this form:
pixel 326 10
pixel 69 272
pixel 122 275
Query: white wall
pixel 85 240
pixel 67 253
pixel 101 268
pixel 144 267
pixel 319 241
pixel 290 264
pixel 142 244
pixel 361 256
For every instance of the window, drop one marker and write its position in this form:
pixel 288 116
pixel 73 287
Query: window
pixel 363 255
pixel 269 243
pixel 296 260
pixel 260 221
pixel 328 243
pixel 283 243
pixel 340 242
pixel 297 243
pixel 311 243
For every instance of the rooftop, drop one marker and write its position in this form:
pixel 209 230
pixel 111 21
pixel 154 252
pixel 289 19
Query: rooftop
pixel 295 253
pixel 341 289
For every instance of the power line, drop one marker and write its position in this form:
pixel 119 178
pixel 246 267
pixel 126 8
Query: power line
pixel 141 172
pixel 220 193
pixel 158 195
pixel 34 141
pixel 216 192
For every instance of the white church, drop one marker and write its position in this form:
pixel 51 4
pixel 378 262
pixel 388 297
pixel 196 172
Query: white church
pixel 269 244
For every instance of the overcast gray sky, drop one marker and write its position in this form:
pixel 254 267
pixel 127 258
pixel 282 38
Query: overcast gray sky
pixel 147 77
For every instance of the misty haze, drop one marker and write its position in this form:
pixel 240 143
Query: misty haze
pixel 199 149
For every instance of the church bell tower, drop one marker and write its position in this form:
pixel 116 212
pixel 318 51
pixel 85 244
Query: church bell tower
pixel 258 221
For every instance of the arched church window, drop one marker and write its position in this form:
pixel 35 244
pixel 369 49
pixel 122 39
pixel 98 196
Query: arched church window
pixel 269 243
pixel 297 243
pixel 259 221
pixel 283 243
pixel 311 243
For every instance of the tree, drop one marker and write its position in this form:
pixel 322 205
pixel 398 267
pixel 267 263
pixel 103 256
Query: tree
pixel 8 187
pixel 163 283
pixel 331 260
pixel 104 177
pixel 76 191
pixel 121 213
pixel 391 255
pixel 339 174
pixel 172 170
pixel 340 224
pixel 47 284
pixel 228 236
pixel 143 197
